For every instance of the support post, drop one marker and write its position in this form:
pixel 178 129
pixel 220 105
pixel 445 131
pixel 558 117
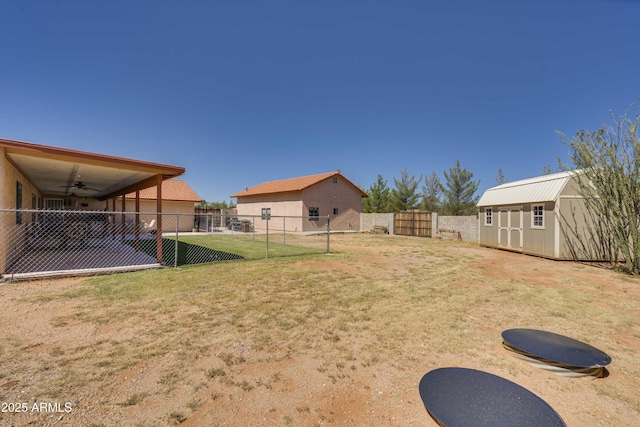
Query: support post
pixel 137 226
pixel 159 219
pixel 175 253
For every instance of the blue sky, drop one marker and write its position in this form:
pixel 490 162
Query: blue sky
pixel 241 92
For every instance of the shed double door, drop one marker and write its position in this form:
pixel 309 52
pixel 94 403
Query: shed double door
pixel 510 228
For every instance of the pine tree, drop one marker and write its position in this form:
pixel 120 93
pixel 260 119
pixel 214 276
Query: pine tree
pixel 431 191
pixel 378 200
pixel 404 196
pixel 500 179
pixel 459 192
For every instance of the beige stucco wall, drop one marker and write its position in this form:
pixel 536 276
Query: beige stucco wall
pixel 288 204
pixel 186 211
pixel 9 176
pixel 329 195
pixel 325 195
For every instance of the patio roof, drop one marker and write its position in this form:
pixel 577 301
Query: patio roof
pixel 63 171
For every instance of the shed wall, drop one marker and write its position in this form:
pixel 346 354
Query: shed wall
pixel 535 241
pixel 578 234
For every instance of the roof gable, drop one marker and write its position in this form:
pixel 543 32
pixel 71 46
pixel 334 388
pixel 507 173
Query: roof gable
pixel 544 188
pixel 175 190
pixel 293 185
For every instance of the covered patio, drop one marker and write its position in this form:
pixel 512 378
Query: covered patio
pixel 62 210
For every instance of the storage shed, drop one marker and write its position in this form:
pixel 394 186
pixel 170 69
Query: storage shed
pixel 543 216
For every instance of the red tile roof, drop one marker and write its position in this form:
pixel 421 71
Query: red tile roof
pixel 292 185
pixel 172 189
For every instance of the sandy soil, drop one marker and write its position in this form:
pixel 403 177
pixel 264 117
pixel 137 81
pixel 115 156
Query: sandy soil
pixel 294 389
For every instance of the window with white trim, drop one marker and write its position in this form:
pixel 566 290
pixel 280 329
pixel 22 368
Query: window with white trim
pixel 488 216
pixel 537 216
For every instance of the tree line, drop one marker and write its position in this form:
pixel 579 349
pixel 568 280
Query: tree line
pixel 455 197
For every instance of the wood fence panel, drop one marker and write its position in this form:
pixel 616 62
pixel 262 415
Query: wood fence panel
pixel 412 223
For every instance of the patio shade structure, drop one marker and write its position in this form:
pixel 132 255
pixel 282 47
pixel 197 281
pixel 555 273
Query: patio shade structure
pixel 60 171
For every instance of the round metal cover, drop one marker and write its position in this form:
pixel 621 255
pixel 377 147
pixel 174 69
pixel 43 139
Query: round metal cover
pixel 458 397
pixel 556 348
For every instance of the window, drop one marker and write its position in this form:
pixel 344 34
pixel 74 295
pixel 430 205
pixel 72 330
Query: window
pixel 266 213
pixel 18 202
pixel 314 213
pixel 335 179
pixel 335 211
pixel 55 204
pixel 488 216
pixel 537 219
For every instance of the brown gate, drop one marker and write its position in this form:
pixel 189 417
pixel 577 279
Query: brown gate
pixel 412 223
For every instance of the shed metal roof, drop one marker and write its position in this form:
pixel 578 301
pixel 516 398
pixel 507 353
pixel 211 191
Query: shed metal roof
pixel 544 188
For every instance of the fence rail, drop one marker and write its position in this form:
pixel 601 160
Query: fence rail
pixel 56 242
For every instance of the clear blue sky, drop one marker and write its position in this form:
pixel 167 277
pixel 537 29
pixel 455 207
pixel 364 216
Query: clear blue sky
pixel 241 92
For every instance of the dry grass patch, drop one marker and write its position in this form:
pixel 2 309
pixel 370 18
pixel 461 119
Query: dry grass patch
pixel 285 336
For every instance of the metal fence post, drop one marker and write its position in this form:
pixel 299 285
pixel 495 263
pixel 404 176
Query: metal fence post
pixel 267 241
pixel 328 232
pixel 284 231
pixel 175 261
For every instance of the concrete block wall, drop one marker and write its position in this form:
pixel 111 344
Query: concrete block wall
pixel 466 225
pixel 368 220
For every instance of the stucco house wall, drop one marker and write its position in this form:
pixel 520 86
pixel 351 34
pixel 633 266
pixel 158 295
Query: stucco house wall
pixel 335 198
pixel 185 211
pixel 331 193
pixel 9 178
pixel 287 204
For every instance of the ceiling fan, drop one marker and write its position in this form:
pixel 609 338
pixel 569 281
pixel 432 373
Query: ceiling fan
pixel 79 185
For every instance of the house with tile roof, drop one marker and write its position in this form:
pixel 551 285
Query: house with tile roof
pixel 177 198
pixel 326 194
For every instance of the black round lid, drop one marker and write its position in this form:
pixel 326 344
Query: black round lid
pixel 467 397
pixel 556 348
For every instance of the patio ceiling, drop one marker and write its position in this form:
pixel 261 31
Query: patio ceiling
pixel 57 171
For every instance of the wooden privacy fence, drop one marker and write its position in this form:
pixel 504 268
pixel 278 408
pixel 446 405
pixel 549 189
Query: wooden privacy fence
pixel 412 223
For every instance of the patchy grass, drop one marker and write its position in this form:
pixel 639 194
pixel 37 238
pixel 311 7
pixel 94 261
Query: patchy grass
pixel 378 303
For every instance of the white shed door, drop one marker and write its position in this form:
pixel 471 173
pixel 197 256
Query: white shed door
pixel 510 228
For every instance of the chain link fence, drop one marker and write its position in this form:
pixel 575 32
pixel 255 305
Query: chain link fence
pixel 45 243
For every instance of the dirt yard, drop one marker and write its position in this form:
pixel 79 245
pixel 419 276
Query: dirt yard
pixel 337 340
